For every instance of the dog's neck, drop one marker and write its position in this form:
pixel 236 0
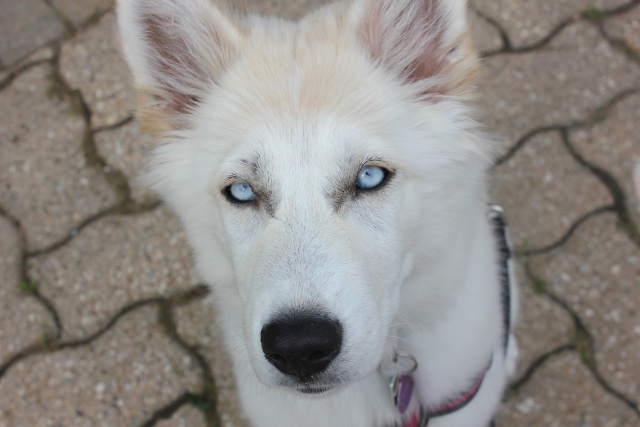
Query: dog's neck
pixel 439 376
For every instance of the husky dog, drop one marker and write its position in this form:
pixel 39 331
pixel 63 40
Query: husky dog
pixel 332 183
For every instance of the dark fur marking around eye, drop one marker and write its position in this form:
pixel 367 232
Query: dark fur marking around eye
pixel 258 178
pixel 346 189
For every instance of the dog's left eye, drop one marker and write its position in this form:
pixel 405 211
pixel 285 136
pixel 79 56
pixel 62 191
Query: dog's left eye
pixel 371 177
pixel 240 192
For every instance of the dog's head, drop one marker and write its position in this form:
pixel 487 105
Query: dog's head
pixel 320 168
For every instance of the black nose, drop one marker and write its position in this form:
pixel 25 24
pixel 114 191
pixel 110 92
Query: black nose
pixel 301 346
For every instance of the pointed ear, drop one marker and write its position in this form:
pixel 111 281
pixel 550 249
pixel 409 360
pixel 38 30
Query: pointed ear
pixel 423 41
pixel 175 48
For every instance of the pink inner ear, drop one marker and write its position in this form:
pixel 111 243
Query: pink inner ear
pixel 172 62
pixel 405 35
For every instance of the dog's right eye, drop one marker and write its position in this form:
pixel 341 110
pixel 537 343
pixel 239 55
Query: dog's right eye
pixel 240 192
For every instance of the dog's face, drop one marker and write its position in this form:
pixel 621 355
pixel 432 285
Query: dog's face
pixel 301 158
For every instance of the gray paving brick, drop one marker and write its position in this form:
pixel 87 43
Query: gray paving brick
pixel 542 325
pixel 597 272
pixel 77 12
pixel 527 22
pixel 198 325
pixel 23 321
pixel 626 27
pixel 118 380
pixel 544 191
pixel 187 416
pixel 26 25
pixel 127 148
pixel 113 262
pixel 560 83
pixel 564 393
pixel 614 145
pixel 44 179
pixel 93 63
pixel 485 36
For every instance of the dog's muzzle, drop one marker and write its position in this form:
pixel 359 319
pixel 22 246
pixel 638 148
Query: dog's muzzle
pixel 301 346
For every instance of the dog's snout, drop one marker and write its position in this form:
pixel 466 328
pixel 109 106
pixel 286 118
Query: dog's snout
pixel 301 346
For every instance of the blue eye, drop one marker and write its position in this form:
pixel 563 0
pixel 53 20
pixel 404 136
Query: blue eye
pixel 371 177
pixel 241 191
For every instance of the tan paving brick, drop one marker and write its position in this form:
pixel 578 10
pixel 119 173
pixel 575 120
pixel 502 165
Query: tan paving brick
pixel 597 272
pixel 23 320
pixel 544 191
pixel 44 179
pixel 197 324
pixel 78 12
pixel 25 26
pixel 542 325
pixel 485 36
pixel 527 22
pixel 626 27
pixel 113 262
pixel 187 416
pixel 563 393
pixel 562 82
pixel 93 63
pixel 127 148
pixel 118 380
pixel 615 146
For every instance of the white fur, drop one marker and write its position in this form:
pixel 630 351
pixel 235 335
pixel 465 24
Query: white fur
pixel 410 268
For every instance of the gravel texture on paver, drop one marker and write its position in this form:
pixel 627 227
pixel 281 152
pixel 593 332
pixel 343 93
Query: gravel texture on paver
pixel 115 261
pixel 597 273
pixel 614 145
pixel 563 82
pixel 127 148
pixel 93 63
pixel 118 380
pixel 43 172
pixel 79 12
pixel 564 393
pixel 544 191
pixel 26 25
pixel 18 311
pixel 529 22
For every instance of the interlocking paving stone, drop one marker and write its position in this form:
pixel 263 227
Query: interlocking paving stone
pixel 534 336
pixel 187 416
pixel 44 179
pixel 93 63
pixel 25 25
pixel 544 191
pixel 22 320
pixel 527 22
pixel 597 272
pixel 118 380
pixel 77 12
pixel 615 146
pixel 563 393
pixel 127 148
pixel 562 82
pixel 485 36
pixel 626 27
pixel 113 262
pixel 197 324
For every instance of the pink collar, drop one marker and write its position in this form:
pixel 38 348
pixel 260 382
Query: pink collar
pixel 414 414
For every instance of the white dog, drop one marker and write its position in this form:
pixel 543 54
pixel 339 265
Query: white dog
pixel 332 183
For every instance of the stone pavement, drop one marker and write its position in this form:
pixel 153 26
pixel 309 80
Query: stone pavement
pixel 102 322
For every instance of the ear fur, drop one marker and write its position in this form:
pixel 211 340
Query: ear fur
pixel 175 48
pixel 424 41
